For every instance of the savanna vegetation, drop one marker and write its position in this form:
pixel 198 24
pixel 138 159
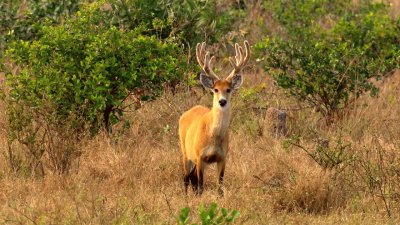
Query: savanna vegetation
pixel 91 93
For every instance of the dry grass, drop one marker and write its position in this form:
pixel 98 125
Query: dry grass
pixel 135 177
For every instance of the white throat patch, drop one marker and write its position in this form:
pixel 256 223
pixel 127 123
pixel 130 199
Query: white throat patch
pixel 221 120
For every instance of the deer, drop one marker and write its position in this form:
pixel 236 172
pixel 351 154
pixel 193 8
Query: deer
pixel 204 132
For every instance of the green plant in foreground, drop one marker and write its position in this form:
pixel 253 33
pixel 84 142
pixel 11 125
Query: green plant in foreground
pixel 210 215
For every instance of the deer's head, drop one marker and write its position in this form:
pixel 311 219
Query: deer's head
pixel 222 88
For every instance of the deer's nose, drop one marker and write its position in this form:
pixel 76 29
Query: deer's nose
pixel 222 102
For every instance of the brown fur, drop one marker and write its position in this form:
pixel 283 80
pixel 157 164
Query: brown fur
pixel 204 136
pixel 203 132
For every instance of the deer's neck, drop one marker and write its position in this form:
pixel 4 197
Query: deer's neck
pixel 220 121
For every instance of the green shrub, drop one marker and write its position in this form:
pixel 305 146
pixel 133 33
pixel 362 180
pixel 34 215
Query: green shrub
pixel 79 77
pixel 188 21
pixel 20 19
pixel 90 69
pixel 330 64
pixel 210 215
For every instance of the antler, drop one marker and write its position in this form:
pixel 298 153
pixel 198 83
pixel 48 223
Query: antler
pixel 204 60
pixel 239 62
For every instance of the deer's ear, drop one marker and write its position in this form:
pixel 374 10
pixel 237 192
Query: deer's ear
pixel 236 81
pixel 206 81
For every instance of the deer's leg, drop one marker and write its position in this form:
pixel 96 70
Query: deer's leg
pixel 185 161
pixel 200 171
pixel 221 171
pixel 185 174
pixel 193 178
pixel 190 173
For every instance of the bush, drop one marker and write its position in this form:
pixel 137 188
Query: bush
pixel 20 19
pixel 377 168
pixel 209 215
pixel 82 76
pixel 331 60
pixel 188 22
pixel 90 69
pixel 39 142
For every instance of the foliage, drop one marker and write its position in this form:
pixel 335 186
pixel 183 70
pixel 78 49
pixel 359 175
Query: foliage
pixel 303 18
pixel 90 69
pixel 188 22
pixel 20 19
pixel 378 169
pixel 330 64
pixel 78 77
pixel 210 215
pixel 45 143
pixel 326 156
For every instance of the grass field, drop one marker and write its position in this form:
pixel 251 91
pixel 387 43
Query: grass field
pixel 345 173
pixel 135 176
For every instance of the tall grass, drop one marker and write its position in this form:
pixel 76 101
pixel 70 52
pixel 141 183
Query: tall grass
pixel 135 177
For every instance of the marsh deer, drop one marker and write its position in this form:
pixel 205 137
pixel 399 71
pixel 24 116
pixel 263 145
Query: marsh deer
pixel 203 132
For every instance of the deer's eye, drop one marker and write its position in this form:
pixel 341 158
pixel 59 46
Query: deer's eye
pixel 228 90
pixel 216 90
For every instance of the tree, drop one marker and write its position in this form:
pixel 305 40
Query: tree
pixel 329 57
pixel 90 70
